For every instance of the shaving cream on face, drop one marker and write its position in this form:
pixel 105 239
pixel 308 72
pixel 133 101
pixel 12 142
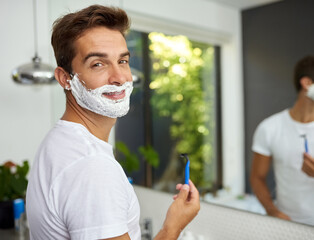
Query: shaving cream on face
pixel 310 92
pixel 95 101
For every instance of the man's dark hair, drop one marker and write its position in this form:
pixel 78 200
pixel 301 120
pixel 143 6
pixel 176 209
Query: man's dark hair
pixel 68 28
pixel 303 68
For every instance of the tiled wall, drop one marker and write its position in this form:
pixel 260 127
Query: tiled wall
pixel 215 222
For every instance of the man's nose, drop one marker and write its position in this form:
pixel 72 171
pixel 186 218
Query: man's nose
pixel 118 75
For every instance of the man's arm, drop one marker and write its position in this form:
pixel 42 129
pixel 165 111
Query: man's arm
pixel 259 171
pixel 123 237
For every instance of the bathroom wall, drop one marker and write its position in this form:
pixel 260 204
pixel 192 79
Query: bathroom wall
pixel 28 112
pixel 215 222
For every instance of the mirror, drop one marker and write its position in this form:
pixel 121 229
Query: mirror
pixel 271 48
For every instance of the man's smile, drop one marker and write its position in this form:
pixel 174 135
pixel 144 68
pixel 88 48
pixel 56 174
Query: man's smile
pixel 114 95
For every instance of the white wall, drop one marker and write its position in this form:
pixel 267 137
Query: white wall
pixel 27 112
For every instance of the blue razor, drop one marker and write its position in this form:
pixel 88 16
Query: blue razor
pixel 305 143
pixel 187 169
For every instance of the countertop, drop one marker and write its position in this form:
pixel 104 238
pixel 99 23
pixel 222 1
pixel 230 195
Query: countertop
pixel 11 234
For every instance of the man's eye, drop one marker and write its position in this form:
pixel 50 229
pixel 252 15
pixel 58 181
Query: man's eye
pixel 97 65
pixel 124 61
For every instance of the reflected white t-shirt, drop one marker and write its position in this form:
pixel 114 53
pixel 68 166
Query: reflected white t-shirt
pixel 279 136
pixel 77 190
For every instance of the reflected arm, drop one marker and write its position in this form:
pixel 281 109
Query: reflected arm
pixel 259 171
pixel 123 237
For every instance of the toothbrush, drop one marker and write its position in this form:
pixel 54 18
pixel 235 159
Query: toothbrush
pixel 187 169
pixel 305 143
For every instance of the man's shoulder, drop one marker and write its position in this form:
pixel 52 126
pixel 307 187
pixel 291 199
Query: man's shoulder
pixel 276 118
pixel 273 124
pixel 69 148
pixel 64 145
pixel 62 141
pixel 68 137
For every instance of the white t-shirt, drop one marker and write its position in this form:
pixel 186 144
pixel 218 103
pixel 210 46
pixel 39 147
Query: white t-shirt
pixel 279 136
pixel 77 190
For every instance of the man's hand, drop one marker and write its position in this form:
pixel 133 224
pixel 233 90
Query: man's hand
pixel 278 214
pixel 308 165
pixel 184 208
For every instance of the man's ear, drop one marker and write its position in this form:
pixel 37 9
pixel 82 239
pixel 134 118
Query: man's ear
pixel 306 82
pixel 62 76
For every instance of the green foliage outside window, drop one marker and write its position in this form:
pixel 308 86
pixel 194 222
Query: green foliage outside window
pixel 130 161
pixel 183 90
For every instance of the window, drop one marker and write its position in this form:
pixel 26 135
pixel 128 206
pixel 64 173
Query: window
pixel 175 109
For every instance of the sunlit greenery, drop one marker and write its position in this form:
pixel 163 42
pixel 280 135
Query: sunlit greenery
pixel 130 160
pixel 183 90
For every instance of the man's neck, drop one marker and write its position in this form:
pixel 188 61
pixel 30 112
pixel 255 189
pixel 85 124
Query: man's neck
pixel 303 109
pixel 99 126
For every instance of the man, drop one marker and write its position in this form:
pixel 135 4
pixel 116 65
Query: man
pixel 77 190
pixel 287 138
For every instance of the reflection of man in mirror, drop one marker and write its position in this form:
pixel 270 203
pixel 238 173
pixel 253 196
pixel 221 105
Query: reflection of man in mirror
pixel 287 138
pixel 77 190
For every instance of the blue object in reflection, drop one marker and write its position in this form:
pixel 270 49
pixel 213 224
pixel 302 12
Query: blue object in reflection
pixel 305 143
